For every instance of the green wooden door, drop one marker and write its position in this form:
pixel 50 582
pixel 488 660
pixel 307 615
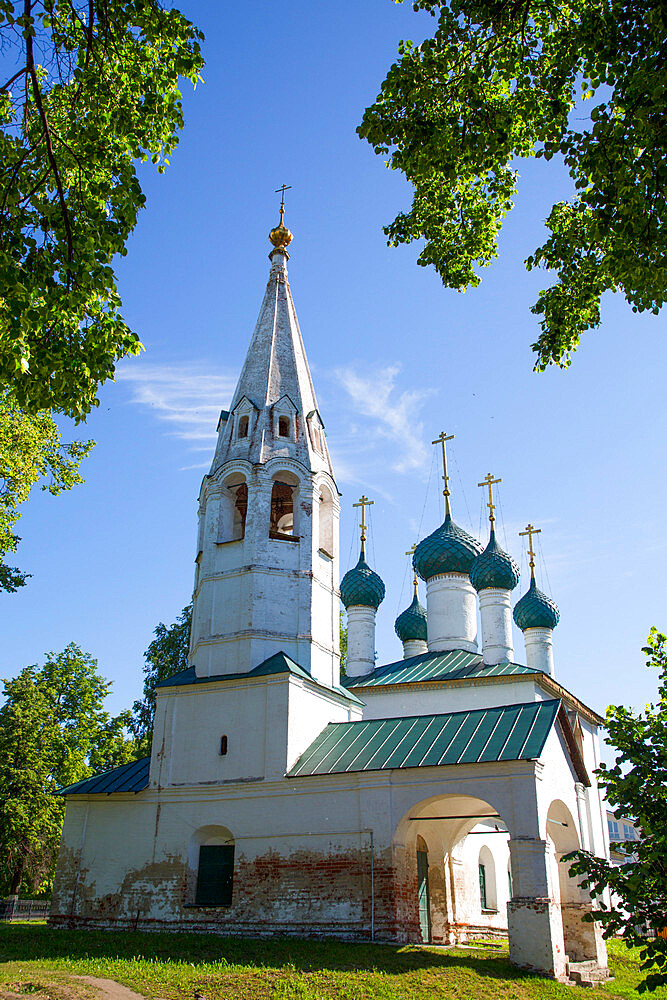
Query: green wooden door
pixel 424 901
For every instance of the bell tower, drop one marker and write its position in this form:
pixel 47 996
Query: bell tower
pixel 267 555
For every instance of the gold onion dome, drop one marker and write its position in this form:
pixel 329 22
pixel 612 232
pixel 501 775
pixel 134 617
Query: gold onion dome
pixel 280 236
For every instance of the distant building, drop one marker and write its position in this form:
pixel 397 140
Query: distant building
pixel 625 831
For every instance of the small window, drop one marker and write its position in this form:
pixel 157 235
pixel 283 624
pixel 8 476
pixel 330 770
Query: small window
pixel 482 886
pixel 613 828
pixel 628 832
pixel 223 746
pixel 243 427
pixel 215 875
pixel 283 427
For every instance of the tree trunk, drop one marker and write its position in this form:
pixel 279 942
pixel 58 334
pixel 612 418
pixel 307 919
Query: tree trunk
pixel 17 874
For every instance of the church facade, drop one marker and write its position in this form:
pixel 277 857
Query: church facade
pixel 426 800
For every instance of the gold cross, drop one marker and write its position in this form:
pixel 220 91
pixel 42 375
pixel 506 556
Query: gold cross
pixel 490 482
pixel 364 502
pixel 530 531
pixel 442 439
pixel 414 576
pixel 281 190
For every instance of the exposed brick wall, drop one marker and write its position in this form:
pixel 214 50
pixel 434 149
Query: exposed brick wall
pixel 306 893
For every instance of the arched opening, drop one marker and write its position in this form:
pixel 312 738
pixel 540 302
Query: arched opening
pixel 283 507
pixel 211 863
pixel 460 832
pixel 326 523
pixel 233 509
pixel 562 837
pixel 244 422
pixel 283 427
pixel 423 898
pixel 488 887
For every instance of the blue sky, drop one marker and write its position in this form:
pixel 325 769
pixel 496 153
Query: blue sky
pixel 395 358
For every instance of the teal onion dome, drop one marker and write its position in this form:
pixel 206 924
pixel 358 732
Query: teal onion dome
pixel 362 586
pixel 411 623
pixel 494 568
pixel 449 549
pixel 536 610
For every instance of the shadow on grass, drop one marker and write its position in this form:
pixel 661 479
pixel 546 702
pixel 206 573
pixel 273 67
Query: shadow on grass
pixel 42 943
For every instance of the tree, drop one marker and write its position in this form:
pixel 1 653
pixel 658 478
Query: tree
pixel 636 785
pixel 166 656
pixel 498 82
pixel 343 644
pixel 53 731
pixel 93 89
pixel 30 449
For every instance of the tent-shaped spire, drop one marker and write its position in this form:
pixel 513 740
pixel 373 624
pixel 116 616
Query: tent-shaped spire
pixel 274 409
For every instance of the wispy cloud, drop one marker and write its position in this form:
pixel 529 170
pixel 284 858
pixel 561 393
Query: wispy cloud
pixel 186 397
pixel 392 416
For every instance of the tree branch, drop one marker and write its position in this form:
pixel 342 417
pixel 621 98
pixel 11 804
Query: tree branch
pixel 49 145
pixel 20 72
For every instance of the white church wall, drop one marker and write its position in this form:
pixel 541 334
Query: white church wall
pixel 492 851
pixel 191 720
pixel 310 710
pixel 427 699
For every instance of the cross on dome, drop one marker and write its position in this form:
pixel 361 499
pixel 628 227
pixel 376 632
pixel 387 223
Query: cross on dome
pixel 530 531
pixel 411 552
pixel 442 439
pixel 364 502
pixel 490 482
pixel 281 236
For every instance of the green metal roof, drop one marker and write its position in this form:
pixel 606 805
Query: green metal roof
pixel 456 664
pixel 508 732
pixel 279 663
pixel 127 778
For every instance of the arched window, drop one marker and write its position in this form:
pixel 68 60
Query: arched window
pixel 283 506
pixel 326 523
pixel 283 427
pixel 243 426
pixel 488 897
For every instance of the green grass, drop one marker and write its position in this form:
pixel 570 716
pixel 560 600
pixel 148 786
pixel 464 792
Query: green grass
pixel 39 962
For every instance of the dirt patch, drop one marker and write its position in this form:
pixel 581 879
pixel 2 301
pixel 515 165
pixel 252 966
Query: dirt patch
pixel 73 988
pixel 110 989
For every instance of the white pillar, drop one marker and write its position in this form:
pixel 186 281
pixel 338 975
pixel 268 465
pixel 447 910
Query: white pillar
pixel 582 810
pixel 414 647
pixel 539 649
pixel 496 613
pixel 451 604
pixel 360 640
pixel 534 924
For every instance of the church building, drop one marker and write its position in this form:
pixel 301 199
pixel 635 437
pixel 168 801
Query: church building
pixel 428 800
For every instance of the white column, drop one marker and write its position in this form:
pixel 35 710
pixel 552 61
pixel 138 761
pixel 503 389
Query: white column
pixel 496 613
pixel 534 922
pixel 451 604
pixel 414 647
pixel 360 640
pixel 582 811
pixel 539 649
